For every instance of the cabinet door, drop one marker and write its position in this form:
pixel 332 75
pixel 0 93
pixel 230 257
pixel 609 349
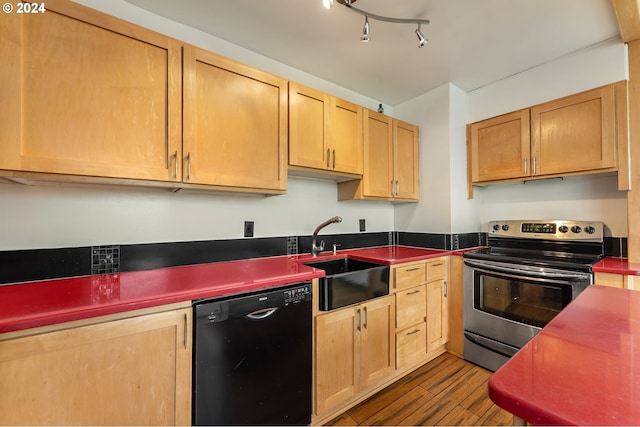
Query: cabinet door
pixel 437 315
pixel 345 131
pixel 84 93
pixel 406 158
pixel 308 112
pixel 377 341
pixel 411 306
pixel 575 133
pixel 411 345
pixel 337 347
pixel 378 155
pixel 500 147
pixel 235 123
pixel 134 371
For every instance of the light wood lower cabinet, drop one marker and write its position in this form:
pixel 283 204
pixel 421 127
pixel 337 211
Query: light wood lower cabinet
pixel 616 280
pixel 354 350
pixel 132 371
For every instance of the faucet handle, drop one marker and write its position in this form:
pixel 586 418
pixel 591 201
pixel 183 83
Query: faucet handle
pixel 335 247
pixel 321 247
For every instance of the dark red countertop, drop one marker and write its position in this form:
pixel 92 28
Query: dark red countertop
pixel 617 266
pixel 583 368
pixel 41 303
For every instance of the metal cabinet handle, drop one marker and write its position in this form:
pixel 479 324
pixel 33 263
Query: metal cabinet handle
pixel 188 158
pixel 437 265
pixel 413 292
pixel 328 158
pixel 413 269
pixel 185 319
pixel 366 317
pixel 526 165
pixel 535 165
pixel 334 158
pixel 175 158
pixel 413 332
pixel 359 326
pixel 397 188
pixel 445 287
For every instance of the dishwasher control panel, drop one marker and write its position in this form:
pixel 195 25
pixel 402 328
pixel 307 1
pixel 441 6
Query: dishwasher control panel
pixel 297 294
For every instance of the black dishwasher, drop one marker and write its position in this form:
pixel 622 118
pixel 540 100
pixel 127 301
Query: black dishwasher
pixel 252 358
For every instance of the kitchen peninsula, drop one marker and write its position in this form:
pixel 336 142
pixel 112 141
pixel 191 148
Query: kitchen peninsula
pixel 581 369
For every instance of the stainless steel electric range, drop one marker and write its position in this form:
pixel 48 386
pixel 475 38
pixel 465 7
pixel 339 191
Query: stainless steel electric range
pixel 528 273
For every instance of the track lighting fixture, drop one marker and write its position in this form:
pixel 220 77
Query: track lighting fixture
pixel 365 31
pixel 421 40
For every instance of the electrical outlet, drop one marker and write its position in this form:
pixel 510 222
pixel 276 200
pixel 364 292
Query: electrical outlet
pixel 363 226
pixel 248 229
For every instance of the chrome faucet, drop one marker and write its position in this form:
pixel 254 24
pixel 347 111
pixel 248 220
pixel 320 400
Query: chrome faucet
pixel 315 249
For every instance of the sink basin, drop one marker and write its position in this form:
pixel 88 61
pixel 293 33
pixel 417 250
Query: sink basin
pixel 350 281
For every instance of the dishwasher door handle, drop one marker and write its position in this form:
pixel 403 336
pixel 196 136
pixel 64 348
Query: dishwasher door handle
pixel 262 314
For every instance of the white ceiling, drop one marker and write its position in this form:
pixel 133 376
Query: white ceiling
pixel 471 42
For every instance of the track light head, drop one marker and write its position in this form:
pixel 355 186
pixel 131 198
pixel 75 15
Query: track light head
pixel 365 30
pixel 421 40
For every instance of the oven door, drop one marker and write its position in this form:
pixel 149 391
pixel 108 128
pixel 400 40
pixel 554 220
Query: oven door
pixel 505 305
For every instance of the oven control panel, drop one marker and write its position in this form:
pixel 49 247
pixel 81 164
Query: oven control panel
pixel 592 231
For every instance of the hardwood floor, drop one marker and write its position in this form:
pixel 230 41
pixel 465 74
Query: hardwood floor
pixel 446 391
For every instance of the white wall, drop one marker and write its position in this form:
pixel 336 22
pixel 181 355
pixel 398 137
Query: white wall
pixel 53 217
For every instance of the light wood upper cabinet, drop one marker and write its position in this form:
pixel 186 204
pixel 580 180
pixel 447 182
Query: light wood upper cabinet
pixel 87 94
pixel 405 161
pixel 572 135
pixel 325 132
pixel 500 147
pixel 235 124
pixel 391 161
pixel 354 351
pixel 133 371
pixel 378 155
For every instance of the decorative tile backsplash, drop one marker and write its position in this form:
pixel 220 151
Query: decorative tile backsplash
pixel 105 259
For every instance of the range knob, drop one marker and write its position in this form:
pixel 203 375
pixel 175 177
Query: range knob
pixel 505 227
pixel 576 229
pixel 589 229
pixel 496 227
pixel 563 229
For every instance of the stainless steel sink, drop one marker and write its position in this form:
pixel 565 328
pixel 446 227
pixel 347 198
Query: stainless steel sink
pixel 350 281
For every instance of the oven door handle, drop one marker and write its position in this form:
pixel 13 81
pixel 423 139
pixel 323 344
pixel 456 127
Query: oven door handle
pixel 526 274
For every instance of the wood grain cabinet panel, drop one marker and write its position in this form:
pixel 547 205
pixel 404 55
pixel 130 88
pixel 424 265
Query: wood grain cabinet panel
pixel 354 351
pixel 325 132
pixel 134 371
pixel 391 161
pixel 88 94
pixel 235 124
pixel 574 134
pixel 500 147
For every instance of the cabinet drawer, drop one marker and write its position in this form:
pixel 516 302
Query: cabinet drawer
pixel 411 306
pixel 436 269
pixel 409 275
pixel 411 345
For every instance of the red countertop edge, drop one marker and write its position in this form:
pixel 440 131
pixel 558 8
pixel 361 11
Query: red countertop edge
pixel 617 266
pixel 49 302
